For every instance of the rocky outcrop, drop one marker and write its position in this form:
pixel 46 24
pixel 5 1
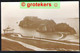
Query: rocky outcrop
pixel 63 27
pixel 30 22
pixel 45 25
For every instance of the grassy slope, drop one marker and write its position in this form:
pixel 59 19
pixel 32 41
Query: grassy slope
pixel 12 46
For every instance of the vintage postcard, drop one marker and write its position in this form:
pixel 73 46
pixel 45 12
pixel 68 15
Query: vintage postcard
pixel 26 27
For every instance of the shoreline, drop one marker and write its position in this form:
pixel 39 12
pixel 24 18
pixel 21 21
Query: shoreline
pixel 45 44
pixel 31 37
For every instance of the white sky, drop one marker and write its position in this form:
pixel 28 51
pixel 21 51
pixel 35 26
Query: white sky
pixel 67 10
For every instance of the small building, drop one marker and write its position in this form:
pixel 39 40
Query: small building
pixel 8 30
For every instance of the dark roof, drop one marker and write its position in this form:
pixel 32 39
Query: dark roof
pixel 8 29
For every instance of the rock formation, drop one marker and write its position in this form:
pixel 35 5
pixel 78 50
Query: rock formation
pixel 45 25
pixel 63 27
pixel 30 22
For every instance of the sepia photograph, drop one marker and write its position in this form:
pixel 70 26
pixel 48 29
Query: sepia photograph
pixel 40 29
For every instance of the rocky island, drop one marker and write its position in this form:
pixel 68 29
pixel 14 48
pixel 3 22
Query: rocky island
pixel 45 25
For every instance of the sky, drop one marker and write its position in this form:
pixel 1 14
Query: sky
pixel 13 10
